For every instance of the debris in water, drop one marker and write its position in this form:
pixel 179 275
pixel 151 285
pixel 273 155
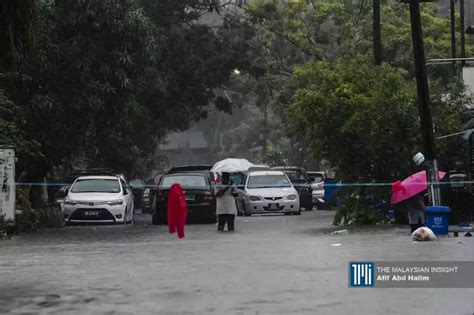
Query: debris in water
pixel 340 232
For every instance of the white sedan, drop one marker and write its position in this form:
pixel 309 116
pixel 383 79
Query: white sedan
pixel 99 199
pixel 270 192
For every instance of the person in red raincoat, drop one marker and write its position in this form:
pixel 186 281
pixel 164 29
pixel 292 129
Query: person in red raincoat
pixel 177 210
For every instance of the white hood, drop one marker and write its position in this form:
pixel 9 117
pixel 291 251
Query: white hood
pixel 94 196
pixel 272 192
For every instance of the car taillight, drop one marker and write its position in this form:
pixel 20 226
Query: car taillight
pixel 208 196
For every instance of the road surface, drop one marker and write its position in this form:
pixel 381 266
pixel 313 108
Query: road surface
pixel 270 265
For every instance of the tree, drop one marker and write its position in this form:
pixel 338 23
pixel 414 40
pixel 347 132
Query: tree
pixel 108 79
pixel 363 120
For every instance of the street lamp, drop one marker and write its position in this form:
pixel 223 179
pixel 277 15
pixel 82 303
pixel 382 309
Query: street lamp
pixel 424 107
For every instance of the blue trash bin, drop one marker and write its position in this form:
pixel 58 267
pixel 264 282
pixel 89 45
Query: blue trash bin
pixel 437 219
pixel 330 188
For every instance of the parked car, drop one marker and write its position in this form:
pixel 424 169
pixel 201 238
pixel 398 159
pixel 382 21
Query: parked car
pixel 138 188
pixel 61 193
pixel 199 193
pixel 316 179
pixel 238 179
pixel 300 181
pixel 203 169
pixel 270 192
pixel 148 195
pixel 104 199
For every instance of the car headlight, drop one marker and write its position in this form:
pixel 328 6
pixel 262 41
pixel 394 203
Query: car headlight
pixel 115 202
pixel 291 197
pixel 70 202
pixel 254 198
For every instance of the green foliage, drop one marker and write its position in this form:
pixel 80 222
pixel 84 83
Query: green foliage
pixel 364 120
pixel 361 206
pixel 29 219
pixel 359 117
pixel 106 80
pixel 6 228
pixel 10 134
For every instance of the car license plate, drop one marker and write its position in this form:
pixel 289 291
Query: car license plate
pixel 189 198
pixel 91 213
pixel 273 206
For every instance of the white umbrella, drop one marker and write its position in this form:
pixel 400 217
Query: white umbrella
pixel 231 166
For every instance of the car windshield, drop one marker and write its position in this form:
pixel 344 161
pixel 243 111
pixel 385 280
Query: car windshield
pixel 268 181
pixel 187 181
pixel 96 185
pixel 237 178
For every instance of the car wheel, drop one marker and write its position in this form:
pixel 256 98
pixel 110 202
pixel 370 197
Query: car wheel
pixel 309 207
pixel 288 213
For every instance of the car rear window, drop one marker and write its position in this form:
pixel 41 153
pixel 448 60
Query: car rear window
pixel 295 175
pixel 96 185
pixel 187 181
pixel 268 181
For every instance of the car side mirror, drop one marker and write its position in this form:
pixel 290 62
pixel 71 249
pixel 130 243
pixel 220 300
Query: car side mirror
pixel 125 191
pixel 241 187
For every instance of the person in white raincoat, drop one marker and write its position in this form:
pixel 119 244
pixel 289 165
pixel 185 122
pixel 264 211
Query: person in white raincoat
pixel 226 208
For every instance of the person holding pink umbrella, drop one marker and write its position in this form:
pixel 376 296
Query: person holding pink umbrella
pixel 416 212
pixel 410 191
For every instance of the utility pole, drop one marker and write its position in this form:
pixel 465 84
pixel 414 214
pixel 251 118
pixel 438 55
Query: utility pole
pixel 452 6
pixel 377 34
pixel 265 132
pixel 424 107
pixel 463 34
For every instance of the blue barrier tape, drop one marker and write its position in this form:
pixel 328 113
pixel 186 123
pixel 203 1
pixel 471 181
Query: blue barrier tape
pixel 325 185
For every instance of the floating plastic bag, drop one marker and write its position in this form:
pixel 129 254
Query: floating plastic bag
pixel 423 234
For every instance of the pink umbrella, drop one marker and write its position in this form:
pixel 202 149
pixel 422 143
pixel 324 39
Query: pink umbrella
pixel 411 186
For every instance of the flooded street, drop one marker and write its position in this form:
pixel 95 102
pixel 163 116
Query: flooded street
pixel 270 265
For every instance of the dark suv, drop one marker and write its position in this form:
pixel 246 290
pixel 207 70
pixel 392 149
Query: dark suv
pixel 300 181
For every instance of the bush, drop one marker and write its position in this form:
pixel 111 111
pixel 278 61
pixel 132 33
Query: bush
pixel 29 219
pixel 6 228
pixel 362 206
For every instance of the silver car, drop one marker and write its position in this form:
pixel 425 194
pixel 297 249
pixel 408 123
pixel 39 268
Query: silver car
pixel 270 192
pixel 99 199
pixel 317 184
